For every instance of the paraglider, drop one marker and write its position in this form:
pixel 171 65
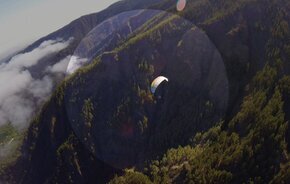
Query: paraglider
pixel 156 82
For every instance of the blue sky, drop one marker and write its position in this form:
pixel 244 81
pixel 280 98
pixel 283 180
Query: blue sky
pixel 24 21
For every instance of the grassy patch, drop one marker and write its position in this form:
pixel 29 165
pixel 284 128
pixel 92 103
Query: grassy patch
pixel 10 141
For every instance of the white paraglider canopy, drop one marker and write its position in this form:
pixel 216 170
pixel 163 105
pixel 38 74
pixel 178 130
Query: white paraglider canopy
pixel 156 82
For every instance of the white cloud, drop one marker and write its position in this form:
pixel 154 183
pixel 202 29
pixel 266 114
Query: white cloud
pixel 12 81
pixel 31 58
pixel 40 89
pixel 25 24
pixel 17 109
pixel 59 67
pixel 20 93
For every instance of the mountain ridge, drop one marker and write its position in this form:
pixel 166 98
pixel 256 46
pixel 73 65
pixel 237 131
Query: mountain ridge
pixel 256 70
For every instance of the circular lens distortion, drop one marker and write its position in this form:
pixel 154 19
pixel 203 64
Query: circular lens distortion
pixel 147 81
pixel 180 5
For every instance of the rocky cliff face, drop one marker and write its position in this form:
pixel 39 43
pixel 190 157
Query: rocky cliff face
pixel 104 118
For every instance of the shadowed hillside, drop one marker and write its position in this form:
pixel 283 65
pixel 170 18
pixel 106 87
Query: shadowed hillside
pixel 221 118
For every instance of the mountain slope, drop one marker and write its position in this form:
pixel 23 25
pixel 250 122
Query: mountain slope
pixel 77 29
pixel 250 145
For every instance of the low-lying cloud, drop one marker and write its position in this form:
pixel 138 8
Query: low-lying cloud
pixel 60 67
pixel 20 93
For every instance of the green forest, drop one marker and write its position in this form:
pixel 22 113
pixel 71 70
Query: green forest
pixel 93 114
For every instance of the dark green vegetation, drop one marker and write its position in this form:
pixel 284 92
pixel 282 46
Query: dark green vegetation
pixel 7 132
pixel 249 145
pixel 253 148
pixel 128 123
pixel 10 139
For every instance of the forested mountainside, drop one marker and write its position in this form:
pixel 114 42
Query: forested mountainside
pixel 78 28
pixel 102 124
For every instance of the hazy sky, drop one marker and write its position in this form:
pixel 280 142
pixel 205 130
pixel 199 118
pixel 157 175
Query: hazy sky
pixel 24 21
